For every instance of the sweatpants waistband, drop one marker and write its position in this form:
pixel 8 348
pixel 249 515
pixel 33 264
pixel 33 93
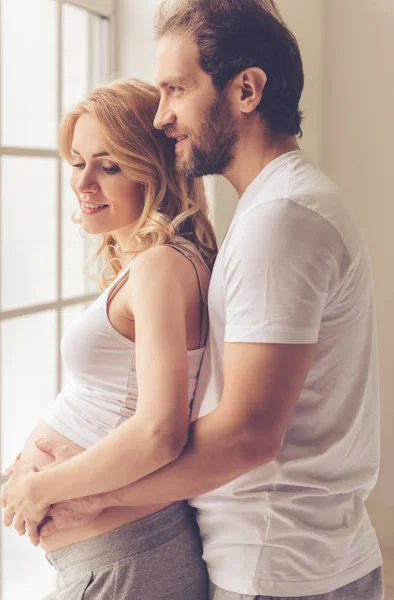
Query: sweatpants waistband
pixel 125 542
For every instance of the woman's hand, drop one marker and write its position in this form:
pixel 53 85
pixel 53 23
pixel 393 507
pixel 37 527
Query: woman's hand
pixel 3 496
pixel 24 507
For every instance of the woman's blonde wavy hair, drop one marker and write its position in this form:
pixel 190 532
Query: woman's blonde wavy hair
pixel 173 205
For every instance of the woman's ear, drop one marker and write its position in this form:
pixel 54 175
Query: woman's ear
pixel 250 86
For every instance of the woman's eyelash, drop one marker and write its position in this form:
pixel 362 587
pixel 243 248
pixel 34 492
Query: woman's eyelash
pixel 111 170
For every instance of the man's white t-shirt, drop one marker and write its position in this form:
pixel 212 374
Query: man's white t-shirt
pixel 294 269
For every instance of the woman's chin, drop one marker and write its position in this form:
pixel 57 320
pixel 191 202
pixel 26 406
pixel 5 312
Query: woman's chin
pixel 92 228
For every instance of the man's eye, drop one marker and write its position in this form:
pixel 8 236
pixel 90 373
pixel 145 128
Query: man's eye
pixel 176 88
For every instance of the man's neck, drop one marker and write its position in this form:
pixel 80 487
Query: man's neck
pixel 256 150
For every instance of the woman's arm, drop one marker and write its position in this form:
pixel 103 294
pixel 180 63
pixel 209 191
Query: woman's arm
pixel 157 433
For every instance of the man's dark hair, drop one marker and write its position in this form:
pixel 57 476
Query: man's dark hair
pixel 234 35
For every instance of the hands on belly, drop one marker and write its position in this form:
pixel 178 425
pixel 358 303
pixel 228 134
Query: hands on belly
pixel 21 510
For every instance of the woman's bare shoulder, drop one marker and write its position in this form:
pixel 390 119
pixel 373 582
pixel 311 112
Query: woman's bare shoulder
pixel 162 263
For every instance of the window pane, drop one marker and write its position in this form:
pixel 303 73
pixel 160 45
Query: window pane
pixel 28 380
pixel 28 386
pixel 28 68
pixel 75 55
pixel 100 58
pixel 93 269
pixel 26 572
pixel 28 236
pixel 101 7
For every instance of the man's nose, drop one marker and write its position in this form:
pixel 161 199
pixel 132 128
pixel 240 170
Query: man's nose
pixel 164 117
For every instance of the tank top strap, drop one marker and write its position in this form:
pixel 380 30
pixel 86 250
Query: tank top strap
pixel 117 284
pixel 198 265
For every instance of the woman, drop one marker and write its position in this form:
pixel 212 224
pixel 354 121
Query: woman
pixel 143 337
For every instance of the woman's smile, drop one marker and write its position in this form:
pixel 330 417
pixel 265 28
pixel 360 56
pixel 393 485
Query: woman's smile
pixel 91 208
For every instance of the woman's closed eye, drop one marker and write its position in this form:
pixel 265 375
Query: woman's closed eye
pixel 109 170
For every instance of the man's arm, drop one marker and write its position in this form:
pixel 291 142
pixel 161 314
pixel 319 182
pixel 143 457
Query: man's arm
pixel 262 386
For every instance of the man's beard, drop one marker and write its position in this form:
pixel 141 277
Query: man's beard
pixel 213 146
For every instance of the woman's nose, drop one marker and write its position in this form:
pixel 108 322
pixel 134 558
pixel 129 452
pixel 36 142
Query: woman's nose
pixel 86 184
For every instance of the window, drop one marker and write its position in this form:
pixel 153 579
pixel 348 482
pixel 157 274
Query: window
pixel 52 53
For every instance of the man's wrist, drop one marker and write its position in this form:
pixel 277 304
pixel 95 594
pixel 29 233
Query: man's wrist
pixel 105 500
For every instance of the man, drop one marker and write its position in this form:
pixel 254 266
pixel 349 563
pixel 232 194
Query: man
pixel 285 450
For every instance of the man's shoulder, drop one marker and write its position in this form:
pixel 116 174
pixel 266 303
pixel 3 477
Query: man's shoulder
pixel 293 179
pixel 305 195
pixel 309 222
pixel 302 183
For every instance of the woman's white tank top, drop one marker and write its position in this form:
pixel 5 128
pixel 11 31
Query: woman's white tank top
pixel 103 390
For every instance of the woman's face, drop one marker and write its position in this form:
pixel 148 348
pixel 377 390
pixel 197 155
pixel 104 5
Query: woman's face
pixel 110 202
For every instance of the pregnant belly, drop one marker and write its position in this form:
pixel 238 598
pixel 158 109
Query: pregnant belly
pixel 109 519
pixel 33 455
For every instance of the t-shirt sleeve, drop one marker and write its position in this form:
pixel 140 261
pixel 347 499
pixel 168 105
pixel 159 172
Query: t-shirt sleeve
pixel 280 267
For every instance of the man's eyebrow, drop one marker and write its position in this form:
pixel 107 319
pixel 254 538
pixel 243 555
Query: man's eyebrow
pixel 175 81
pixel 98 155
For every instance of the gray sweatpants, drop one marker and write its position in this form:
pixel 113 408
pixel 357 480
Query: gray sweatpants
pixel 369 587
pixel 155 558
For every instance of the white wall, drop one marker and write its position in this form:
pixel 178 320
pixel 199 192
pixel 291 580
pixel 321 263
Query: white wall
pixel 305 19
pixel 347 48
pixel 358 137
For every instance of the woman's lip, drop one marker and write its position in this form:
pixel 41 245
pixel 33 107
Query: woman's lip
pixel 91 211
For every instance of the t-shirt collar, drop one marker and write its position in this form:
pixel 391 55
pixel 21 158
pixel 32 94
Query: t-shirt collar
pixel 255 186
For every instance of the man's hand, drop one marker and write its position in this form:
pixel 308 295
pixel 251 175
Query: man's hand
pixel 60 452
pixel 71 513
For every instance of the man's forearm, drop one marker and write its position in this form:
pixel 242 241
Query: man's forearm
pixel 210 460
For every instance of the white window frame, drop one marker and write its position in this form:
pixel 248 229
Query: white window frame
pixel 105 9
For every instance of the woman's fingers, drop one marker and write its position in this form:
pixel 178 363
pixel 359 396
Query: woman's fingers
pixel 32 532
pixel 19 525
pixel 4 496
pixel 9 515
pixel 9 471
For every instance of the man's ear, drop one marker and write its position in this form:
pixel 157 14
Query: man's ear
pixel 249 87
